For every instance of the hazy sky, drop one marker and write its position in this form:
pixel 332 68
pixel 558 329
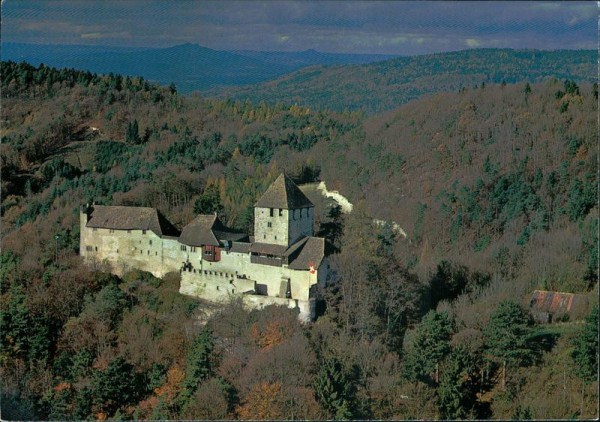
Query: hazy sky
pixel 387 27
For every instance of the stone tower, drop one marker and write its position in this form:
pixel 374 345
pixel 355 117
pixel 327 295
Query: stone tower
pixel 283 215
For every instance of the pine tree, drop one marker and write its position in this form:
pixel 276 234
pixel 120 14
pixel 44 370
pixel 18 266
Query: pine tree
pixel 506 336
pixel 585 354
pixel 431 345
pixel 199 364
pixel 132 136
pixel 334 389
pixel 459 385
pixel 116 386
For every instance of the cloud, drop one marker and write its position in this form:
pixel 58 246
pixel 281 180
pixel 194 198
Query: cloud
pixel 390 27
pixel 105 35
pixel 472 42
pixel 398 40
pixel 92 35
pixel 547 6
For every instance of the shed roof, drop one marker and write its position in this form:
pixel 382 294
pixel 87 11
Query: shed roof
pixel 130 218
pixel 301 255
pixel 240 247
pixel 285 194
pixel 207 229
pixel 268 249
pixel 558 302
pixel 312 253
pixel 198 232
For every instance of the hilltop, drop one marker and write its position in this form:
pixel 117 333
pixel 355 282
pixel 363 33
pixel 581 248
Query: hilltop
pixel 384 85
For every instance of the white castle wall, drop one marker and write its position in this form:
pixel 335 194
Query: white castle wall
pixel 125 250
pixel 128 249
pixel 286 228
pixel 300 223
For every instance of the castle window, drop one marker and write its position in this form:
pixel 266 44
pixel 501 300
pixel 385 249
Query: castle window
pixel 270 212
pixel 148 253
pixel 88 248
pixel 275 237
pixel 183 248
pixel 280 212
pixel 141 251
pixel 96 248
pixel 150 241
pixel 192 248
pixel 143 231
pixel 117 251
pixel 155 253
pixel 264 236
pixel 269 224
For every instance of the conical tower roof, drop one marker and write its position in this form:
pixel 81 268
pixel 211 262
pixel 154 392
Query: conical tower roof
pixel 285 194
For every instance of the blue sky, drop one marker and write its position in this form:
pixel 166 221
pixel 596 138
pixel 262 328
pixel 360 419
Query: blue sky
pixel 387 27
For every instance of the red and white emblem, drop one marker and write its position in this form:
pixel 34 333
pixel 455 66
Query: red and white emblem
pixel 311 267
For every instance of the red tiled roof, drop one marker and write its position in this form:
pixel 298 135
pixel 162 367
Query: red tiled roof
pixel 556 302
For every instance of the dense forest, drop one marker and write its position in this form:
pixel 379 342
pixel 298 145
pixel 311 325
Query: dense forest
pixel 384 85
pixel 495 187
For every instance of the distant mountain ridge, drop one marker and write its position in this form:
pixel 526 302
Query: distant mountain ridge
pixel 371 83
pixel 384 85
pixel 189 66
pixel 312 57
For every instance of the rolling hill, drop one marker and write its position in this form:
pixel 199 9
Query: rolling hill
pixel 385 85
pixel 190 67
pixel 494 186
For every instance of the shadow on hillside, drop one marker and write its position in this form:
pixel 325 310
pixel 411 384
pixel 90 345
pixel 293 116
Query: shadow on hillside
pixel 544 341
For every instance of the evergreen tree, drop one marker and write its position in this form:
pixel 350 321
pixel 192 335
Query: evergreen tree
pixel 459 385
pixel 132 136
pixel 506 336
pixel 334 389
pixel 199 364
pixel 333 228
pixel 585 354
pixel 522 414
pixel 209 202
pixel 431 345
pixel 116 386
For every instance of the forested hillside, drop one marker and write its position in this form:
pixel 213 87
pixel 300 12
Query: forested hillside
pixel 384 85
pixel 495 186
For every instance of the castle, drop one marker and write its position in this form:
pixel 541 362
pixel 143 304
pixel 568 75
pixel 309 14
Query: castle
pixel 281 264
